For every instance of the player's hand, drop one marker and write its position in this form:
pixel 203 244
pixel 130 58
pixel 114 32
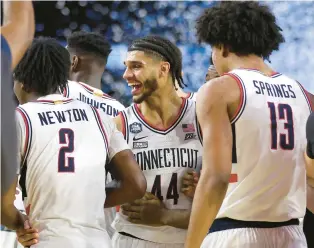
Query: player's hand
pixel 189 183
pixel 147 210
pixel 27 236
pixel 211 73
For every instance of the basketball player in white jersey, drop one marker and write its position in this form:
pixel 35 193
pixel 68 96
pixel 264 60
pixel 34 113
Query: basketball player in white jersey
pixel 163 132
pixel 89 53
pixel 65 148
pixel 252 188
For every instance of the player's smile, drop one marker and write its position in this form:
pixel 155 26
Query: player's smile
pixel 136 88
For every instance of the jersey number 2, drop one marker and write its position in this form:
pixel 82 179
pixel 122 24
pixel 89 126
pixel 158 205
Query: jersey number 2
pixel 66 138
pixel 286 140
pixel 172 192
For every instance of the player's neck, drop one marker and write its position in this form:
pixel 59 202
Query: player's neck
pixel 93 80
pixel 162 109
pixel 34 96
pixel 181 93
pixel 250 62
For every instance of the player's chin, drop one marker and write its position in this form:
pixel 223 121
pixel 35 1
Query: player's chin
pixel 138 98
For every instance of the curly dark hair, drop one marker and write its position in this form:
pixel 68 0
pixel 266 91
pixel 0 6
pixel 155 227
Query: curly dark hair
pixel 89 42
pixel 44 67
pixel 165 50
pixel 243 27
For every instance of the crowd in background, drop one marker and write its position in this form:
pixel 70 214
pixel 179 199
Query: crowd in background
pixel 122 21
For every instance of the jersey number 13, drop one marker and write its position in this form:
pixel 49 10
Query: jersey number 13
pixel 285 138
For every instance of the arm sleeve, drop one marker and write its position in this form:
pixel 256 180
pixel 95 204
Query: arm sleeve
pixel 116 141
pixel 310 136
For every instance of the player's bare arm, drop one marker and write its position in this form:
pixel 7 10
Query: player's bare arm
pixel 18 28
pixel 10 216
pixel 216 100
pixel 151 211
pixel 125 169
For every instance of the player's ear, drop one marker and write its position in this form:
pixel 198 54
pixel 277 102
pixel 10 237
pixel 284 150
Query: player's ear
pixel 225 51
pixel 74 63
pixel 164 68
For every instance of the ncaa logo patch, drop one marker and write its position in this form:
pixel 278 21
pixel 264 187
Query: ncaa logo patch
pixel 135 127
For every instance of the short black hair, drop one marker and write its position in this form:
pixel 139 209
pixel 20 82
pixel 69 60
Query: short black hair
pixel 44 67
pixel 165 50
pixel 243 27
pixel 89 42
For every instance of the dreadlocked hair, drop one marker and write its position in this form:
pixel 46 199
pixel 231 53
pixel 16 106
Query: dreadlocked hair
pixel 243 27
pixel 164 50
pixel 89 42
pixel 44 67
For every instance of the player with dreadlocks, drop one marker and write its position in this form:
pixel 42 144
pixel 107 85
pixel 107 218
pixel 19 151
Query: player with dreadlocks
pixel 65 147
pixel 89 53
pixel 180 85
pixel 163 132
pixel 252 189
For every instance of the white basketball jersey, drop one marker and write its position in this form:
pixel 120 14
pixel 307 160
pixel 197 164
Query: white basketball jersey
pixel 192 96
pixel 64 146
pixel 110 107
pixel 164 157
pixel 268 181
pixel 94 97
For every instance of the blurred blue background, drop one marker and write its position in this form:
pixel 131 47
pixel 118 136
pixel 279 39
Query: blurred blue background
pixel 122 21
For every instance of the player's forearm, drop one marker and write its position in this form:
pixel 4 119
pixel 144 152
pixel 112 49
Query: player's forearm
pixel 18 27
pixel 125 193
pixel 208 198
pixel 11 217
pixel 176 218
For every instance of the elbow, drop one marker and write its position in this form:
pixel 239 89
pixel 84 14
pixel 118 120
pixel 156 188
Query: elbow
pixel 220 183
pixel 141 186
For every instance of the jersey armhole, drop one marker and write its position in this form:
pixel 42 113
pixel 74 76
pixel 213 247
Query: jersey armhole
pixel 307 96
pixel 198 129
pixel 242 102
pixel 124 125
pixel 28 135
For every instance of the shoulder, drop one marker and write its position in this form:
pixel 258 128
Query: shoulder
pixel 121 119
pixel 222 89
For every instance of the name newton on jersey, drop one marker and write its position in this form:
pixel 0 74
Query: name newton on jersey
pixel 109 110
pixel 167 157
pixel 70 115
pixel 274 90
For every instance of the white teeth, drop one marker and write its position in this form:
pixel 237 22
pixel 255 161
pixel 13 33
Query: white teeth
pixel 134 85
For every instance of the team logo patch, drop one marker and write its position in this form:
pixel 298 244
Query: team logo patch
pixel 188 128
pixel 189 136
pixel 135 127
pixel 140 145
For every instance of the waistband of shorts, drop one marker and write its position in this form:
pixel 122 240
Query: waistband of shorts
pixel 227 223
pixel 129 235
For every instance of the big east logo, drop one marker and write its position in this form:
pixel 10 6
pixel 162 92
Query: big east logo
pixel 189 136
